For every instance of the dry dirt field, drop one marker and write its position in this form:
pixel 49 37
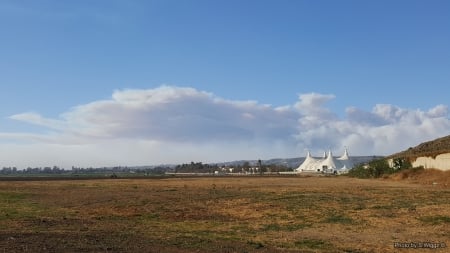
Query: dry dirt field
pixel 224 214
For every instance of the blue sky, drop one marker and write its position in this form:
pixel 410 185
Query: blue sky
pixel 345 57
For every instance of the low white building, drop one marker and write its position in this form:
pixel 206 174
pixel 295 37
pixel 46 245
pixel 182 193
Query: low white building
pixel 326 164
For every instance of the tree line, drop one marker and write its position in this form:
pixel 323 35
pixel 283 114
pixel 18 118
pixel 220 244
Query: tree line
pixel 80 170
pixel 192 167
pixel 245 167
pixel 380 167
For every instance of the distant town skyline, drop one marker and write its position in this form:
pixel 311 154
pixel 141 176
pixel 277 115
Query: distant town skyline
pixel 106 83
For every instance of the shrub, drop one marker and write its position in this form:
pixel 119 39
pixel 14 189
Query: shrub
pixel 374 169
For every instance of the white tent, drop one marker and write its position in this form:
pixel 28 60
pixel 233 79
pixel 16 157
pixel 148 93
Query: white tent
pixel 328 164
pixel 309 164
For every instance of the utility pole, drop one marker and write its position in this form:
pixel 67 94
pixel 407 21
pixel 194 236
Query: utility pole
pixel 260 167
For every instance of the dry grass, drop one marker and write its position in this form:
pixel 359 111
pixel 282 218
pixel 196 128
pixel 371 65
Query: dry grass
pixel 434 177
pixel 223 214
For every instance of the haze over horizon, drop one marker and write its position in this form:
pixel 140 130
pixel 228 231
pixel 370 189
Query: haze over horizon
pixel 106 83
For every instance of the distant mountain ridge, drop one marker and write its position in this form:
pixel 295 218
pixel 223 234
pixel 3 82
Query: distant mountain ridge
pixel 426 149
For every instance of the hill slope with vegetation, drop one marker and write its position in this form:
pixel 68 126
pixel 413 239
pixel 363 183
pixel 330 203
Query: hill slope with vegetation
pixel 425 149
pixel 401 167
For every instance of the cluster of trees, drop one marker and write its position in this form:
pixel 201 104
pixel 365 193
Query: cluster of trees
pixel 263 168
pixel 198 167
pixel 379 168
pixel 117 169
pixel 276 168
pixel 79 170
pixel 193 167
pixel 29 170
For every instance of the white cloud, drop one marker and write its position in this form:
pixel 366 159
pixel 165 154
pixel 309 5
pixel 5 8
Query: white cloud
pixel 174 124
pixel 173 114
pixel 37 119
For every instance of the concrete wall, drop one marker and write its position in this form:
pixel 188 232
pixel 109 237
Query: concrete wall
pixel 442 162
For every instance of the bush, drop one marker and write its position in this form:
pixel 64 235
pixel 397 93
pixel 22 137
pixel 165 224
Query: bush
pixel 374 169
pixel 359 172
pixel 380 168
pixel 401 164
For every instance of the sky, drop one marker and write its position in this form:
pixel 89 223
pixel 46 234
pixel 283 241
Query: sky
pixel 129 82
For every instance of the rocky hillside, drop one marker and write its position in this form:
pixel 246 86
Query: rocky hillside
pixel 426 149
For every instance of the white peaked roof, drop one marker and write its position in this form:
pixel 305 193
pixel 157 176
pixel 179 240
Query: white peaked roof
pixel 344 156
pixel 328 163
pixel 346 162
pixel 309 163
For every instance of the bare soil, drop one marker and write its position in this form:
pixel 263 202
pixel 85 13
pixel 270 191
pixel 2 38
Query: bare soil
pixel 224 214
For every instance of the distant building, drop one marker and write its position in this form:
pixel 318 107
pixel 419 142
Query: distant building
pixel 326 164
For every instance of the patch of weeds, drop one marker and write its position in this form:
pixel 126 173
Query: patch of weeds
pixel 437 198
pixel 271 216
pixel 285 227
pixel 145 202
pixel 389 211
pixel 255 245
pixel 359 207
pixel 271 227
pixel 435 220
pixel 243 228
pixel 382 207
pixel 295 227
pixel 150 216
pixel 170 190
pixel 339 218
pixel 14 206
pixel 313 244
pixel 11 197
pixel 403 204
pixel 351 199
pixel 294 200
pixel 190 241
pixel 112 218
pixel 97 185
pixel 347 250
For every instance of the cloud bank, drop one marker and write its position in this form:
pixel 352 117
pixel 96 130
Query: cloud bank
pixel 178 124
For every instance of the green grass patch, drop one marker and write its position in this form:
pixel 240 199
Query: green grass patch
pixel 295 227
pixel 313 244
pixel 11 197
pixel 272 227
pixel 285 227
pixel 255 245
pixel 388 207
pixel 435 220
pixel 338 218
pixel 293 201
pixel 15 205
pixel 150 217
pixel 359 207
